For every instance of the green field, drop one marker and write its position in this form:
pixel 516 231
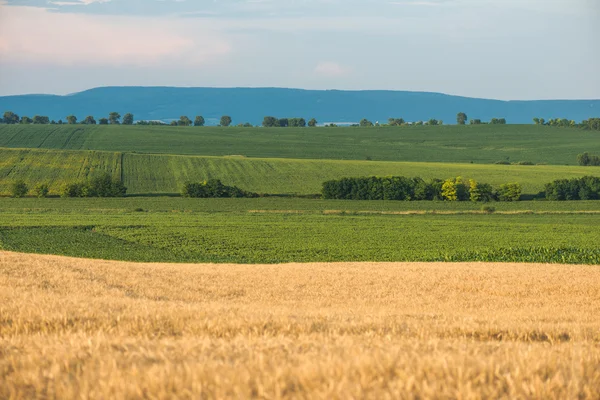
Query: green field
pixel 234 230
pixel 164 174
pixel 482 144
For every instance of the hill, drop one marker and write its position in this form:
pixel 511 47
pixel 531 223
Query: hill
pixel 481 144
pixel 165 174
pixel 252 104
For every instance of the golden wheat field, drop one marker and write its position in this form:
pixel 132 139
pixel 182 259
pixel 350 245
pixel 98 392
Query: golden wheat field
pixel 83 329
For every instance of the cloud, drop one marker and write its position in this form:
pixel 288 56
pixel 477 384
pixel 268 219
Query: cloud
pixel 31 35
pixel 77 2
pixel 330 69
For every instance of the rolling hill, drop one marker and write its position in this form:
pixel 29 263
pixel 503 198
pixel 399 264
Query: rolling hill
pixel 481 144
pixel 252 104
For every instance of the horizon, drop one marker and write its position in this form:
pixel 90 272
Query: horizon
pixel 486 49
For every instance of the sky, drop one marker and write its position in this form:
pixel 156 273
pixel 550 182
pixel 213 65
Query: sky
pixel 500 49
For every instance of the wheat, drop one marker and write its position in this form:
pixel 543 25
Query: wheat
pixel 81 329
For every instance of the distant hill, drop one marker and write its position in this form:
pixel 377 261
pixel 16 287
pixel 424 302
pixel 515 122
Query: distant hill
pixel 252 104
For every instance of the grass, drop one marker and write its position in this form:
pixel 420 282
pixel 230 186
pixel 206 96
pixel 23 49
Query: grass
pixel 454 144
pixel 162 174
pixel 72 328
pixel 263 231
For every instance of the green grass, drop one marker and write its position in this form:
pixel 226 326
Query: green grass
pixel 184 230
pixel 160 174
pixel 455 144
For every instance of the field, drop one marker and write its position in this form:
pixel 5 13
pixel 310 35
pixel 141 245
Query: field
pixel 296 230
pixel 165 174
pixel 483 144
pixel 72 328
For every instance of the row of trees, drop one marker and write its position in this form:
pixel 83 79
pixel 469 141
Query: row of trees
pixel 99 186
pixel 273 122
pixel 403 188
pixel 592 124
pixel 587 160
pixel 586 188
pixel 213 188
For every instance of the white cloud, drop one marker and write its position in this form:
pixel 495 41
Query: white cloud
pixel 33 35
pixel 77 2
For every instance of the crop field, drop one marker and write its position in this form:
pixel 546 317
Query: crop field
pixel 166 174
pixel 73 328
pixel 262 231
pixel 482 144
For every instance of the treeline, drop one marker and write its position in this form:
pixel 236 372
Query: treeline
pixel 213 188
pixel 100 186
pixel 403 188
pixel 592 124
pixel 587 160
pixel 586 188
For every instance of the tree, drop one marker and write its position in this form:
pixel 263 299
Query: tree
pixel 365 122
pixel 475 122
pixel 114 118
pixel 41 120
pixel 103 121
pixel 225 120
pixel 396 121
pixel 270 122
pixel 461 118
pixel 312 123
pixel 542 121
pixel 199 121
pixel 510 192
pixel 536 121
pixel 455 190
pixel 26 120
pixel 89 120
pixel 128 119
pixel 41 190
pixel 10 118
pixel 173 123
pixel 19 189
pixel 432 122
pixel 184 121
pixel 284 122
pixel 72 120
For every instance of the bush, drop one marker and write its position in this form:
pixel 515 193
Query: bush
pixel 19 189
pixel 502 162
pixel 524 163
pixel 213 188
pixel 488 209
pixel 480 191
pixel 41 190
pixel 509 192
pixel 455 190
pixel 586 160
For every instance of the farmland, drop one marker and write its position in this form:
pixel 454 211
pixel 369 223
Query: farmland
pixel 74 328
pixel 481 144
pixel 165 174
pixel 296 230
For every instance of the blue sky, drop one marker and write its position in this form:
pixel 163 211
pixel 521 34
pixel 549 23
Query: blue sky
pixel 503 49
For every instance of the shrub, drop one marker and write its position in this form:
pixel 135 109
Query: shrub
pixel 213 188
pixel 509 192
pixel 524 163
pixel 19 189
pixel 502 162
pixel 587 160
pixel 72 190
pixel 480 191
pixel 41 190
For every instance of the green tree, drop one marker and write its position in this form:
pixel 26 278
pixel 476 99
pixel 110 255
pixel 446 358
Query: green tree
pixel 89 120
pixel 72 120
pixel 225 120
pixel 11 118
pixel 19 189
pixel 103 121
pixel 41 120
pixel 114 118
pixel 312 123
pixel 41 190
pixel 199 121
pixel 432 122
pixel 270 122
pixel 26 120
pixel 461 118
pixel 475 122
pixel 455 190
pixel 284 122
pixel 510 192
pixel 184 121
pixel 128 119
pixel 365 122
pixel 480 191
pixel 536 121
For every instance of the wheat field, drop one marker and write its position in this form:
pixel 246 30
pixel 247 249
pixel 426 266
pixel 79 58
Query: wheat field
pixel 81 329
